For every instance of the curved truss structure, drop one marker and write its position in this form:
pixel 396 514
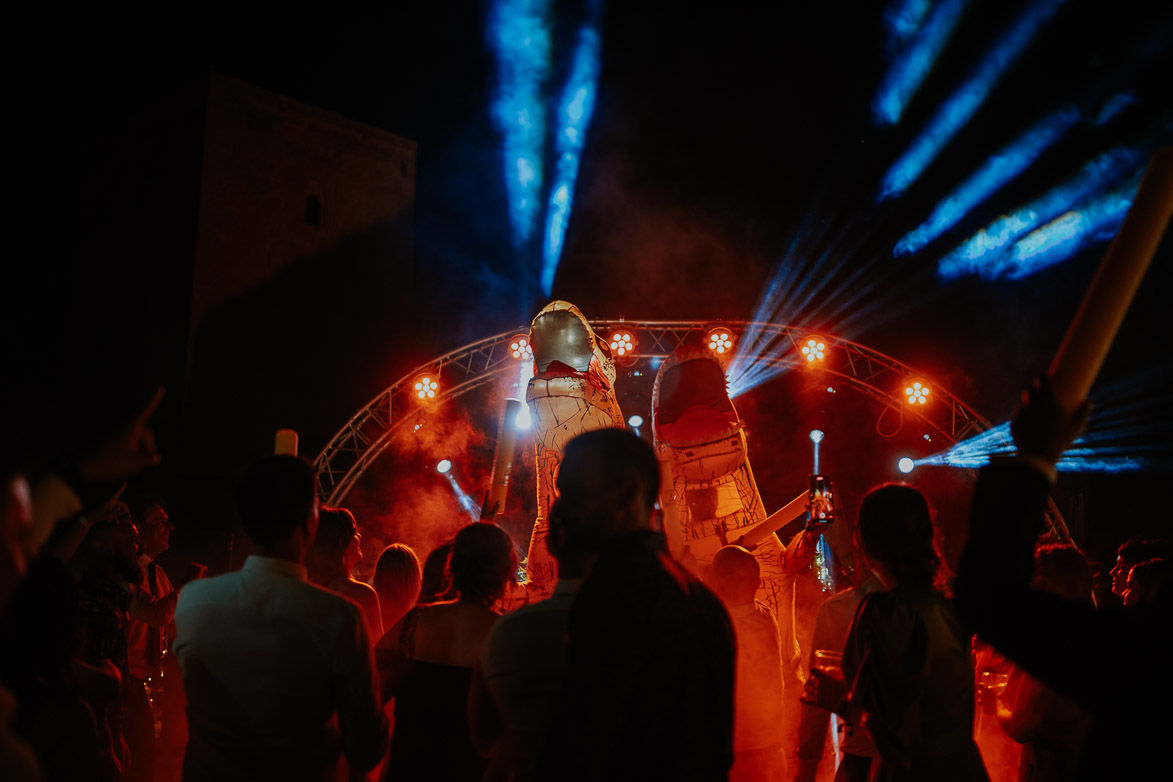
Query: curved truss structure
pixel 368 433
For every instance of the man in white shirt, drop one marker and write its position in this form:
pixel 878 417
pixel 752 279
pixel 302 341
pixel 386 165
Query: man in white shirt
pixel 279 673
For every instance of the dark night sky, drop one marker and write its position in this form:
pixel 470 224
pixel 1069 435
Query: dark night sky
pixel 720 128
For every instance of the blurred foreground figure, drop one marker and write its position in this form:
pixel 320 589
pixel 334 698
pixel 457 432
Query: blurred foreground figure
pixel 572 391
pixel 757 741
pixel 1113 662
pixel 397 582
pixel 279 673
pixel 907 660
pixel 650 669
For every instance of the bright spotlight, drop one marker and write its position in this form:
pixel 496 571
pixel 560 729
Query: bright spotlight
pixel 523 420
pixel 426 387
pixel 520 349
pixel 814 348
pixel 444 466
pixel 636 421
pixel 916 391
pixel 816 435
pixel 622 343
pixel 905 465
pixel 720 341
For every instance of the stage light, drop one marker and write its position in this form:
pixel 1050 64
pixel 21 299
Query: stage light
pixel 444 466
pixel 916 391
pixel 720 341
pixel 635 421
pixel 523 419
pixel 816 436
pixel 830 389
pixel 520 349
pixel 814 348
pixel 426 387
pixel 905 465
pixel 622 343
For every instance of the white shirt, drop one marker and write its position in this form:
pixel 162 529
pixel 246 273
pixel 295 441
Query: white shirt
pixel 524 662
pixel 269 661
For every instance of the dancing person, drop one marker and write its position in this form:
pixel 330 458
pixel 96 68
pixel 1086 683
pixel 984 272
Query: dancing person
pixel 649 682
pixel 397 580
pixel 1114 662
pixel 758 725
pixel 278 672
pixel 427 660
pixel 334 556
pixel 907 659
pixel 832 624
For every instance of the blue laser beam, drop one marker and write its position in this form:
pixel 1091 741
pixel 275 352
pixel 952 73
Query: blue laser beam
pixel 519 33
pixel 574 116
pixel 960 107
pixel 1000 168
pixel 976 252
pixel 903 19
pixel 913 63
pixel 466 502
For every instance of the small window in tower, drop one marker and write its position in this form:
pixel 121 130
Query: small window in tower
pixel 313 210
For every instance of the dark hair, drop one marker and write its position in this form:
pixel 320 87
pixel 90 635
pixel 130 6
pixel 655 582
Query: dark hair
pixel 482 562
pixel 435 582
pixel 397 582
pixel 276 497
pixel 1150 576
pixel 600 471
pixel 896 529
pixel 1139 550
pixel 336 528
pixel 1063 569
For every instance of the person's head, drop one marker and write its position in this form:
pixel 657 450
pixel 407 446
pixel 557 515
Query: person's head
pixel 156 528
pixel 896 531
pixel 1063 570
pixel 397 581
pixel 607 486
pixel 482 563
pixel 112 546
pixel 278 503
pixel 735 575
pixel 1132 552
pixel 1145 580
pixel 435 581
pixel 331 555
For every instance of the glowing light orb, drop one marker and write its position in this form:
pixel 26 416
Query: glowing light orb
pixel 444 466
pixel 916 391
pixel 720 341
pixel 814 349
pixel 905 465
pixel 622 343
pixel 816 435
pixel 520 349
pixel 523 419
pixel 426 387
pixel 636 421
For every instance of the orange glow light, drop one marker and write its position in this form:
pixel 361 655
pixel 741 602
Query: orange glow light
pixel 622 343
pixel 426 387
pixel 916 391
pixel 720 341
pixel 520 349
pixel 814 348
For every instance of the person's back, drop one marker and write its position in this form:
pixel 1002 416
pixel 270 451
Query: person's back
pixel 650 668
pixel 278 673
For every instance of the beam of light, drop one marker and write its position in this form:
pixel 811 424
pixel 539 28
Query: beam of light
pixel 977 251
pixel 466 502
pixel 1114 106
pixel 913 63
pixel 574 117
pixel 519 33
pixel 903 19
pixel 524 420
pixel 1061 238
pixel 1000 168
pixel 956 112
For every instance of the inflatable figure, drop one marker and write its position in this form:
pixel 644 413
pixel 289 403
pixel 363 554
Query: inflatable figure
pixel 572 391
pixel 701 438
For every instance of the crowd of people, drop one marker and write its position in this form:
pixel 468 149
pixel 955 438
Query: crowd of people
pixel 635 668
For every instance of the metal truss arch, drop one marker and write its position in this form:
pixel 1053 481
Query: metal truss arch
pixel 368 433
